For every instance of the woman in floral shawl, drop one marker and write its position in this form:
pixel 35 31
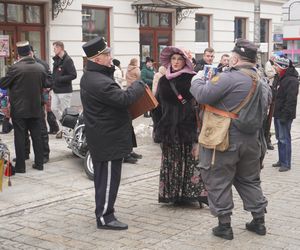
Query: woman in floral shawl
pixel 175 128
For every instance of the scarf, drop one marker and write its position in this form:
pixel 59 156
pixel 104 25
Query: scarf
pixel 171 75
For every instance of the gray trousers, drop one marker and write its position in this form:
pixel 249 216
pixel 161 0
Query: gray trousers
pixel 238 166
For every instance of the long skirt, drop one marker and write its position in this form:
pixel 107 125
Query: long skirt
pixel 180 178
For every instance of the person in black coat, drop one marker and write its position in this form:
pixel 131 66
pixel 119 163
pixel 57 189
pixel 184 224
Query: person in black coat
pixel 63 73
pixel 208 58
pixel 24 81
pixel 108 127
pixel 285 109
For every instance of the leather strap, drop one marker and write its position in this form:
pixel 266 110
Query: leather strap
pixel 234 113
pixel 178 95
pixel 220 112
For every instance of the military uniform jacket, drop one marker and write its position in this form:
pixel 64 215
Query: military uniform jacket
pixel 108 124
pixel 25 80
pixel 225 91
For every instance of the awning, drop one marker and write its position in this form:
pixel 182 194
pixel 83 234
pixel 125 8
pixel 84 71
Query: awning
pixel 183 9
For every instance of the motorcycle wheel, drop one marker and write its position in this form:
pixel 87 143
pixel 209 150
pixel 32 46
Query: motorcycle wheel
pixel 88 166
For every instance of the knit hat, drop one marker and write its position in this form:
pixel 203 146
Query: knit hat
pixel 281 62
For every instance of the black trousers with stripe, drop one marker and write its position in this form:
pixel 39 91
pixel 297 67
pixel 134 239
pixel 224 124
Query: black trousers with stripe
pixel 107 177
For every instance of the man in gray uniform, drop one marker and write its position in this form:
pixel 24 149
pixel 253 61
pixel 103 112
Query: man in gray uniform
pixel 240 163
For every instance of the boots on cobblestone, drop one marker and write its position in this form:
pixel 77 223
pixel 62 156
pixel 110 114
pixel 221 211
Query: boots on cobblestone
pixel 257 226
pixel 223 231
pixel 113 225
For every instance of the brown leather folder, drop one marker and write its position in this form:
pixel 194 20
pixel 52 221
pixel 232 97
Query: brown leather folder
pixel 145 103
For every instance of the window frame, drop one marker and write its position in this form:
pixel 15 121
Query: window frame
pixel 107 10
pixel 208 28
pixel 24 23
pixel 267 36
pixel 159 20
pixel 244 34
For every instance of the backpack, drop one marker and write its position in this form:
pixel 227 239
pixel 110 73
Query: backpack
pixel 251 116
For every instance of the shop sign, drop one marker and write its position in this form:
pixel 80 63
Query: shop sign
pixel 4 46
pixel 278 38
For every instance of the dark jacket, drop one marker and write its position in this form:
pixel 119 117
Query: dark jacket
pixel 24 81
pixel 147 75
pixel 49 79
pixel 63 73
pixel 286 99
pixel 108 123
pixel 200 65
pixel 175 122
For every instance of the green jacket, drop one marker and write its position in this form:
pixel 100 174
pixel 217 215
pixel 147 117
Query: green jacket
pixel 147 75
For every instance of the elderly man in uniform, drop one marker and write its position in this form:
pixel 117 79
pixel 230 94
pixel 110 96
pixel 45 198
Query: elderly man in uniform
pixel 108 127
pixel 239 165
pixel 25 81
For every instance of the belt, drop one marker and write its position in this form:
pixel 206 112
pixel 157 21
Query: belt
pixel 220 112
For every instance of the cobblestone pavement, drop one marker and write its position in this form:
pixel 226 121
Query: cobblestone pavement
pixel 54 209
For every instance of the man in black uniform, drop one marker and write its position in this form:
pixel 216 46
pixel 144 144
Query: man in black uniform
pixel 25 83
pixel 108 127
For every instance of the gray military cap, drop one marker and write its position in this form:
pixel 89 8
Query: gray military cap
pixel 245 48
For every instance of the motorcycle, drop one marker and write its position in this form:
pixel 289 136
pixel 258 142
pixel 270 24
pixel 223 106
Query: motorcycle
pixel 76 138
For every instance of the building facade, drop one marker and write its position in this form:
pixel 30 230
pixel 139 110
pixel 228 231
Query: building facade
pixel 291 30
pixel 135 28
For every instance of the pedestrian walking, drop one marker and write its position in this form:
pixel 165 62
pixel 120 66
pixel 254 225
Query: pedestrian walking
pixel 175 127
pixel 235 158
pixel 25 80
pixel 63 73
pixel 108 127
pixel 285 110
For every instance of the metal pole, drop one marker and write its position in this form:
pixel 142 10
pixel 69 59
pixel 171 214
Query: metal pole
pixel 257 30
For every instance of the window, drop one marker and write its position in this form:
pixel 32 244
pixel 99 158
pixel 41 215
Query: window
pixel 33 14
pixel 15 13
pixel 264 30
pixel 202 34
pixel 202 28
pixel 21 13
pixel 2 17
pixel 95 22
pixel 155 19
pixel 240 28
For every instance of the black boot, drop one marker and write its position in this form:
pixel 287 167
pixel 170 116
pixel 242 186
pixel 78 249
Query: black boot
pixel 223 231
pixel 257 226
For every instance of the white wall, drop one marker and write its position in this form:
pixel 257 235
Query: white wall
pixel 124 29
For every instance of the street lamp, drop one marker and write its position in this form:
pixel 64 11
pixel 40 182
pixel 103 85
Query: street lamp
pixel 257 30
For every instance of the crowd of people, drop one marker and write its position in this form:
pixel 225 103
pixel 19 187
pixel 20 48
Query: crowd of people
pixel 200 122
